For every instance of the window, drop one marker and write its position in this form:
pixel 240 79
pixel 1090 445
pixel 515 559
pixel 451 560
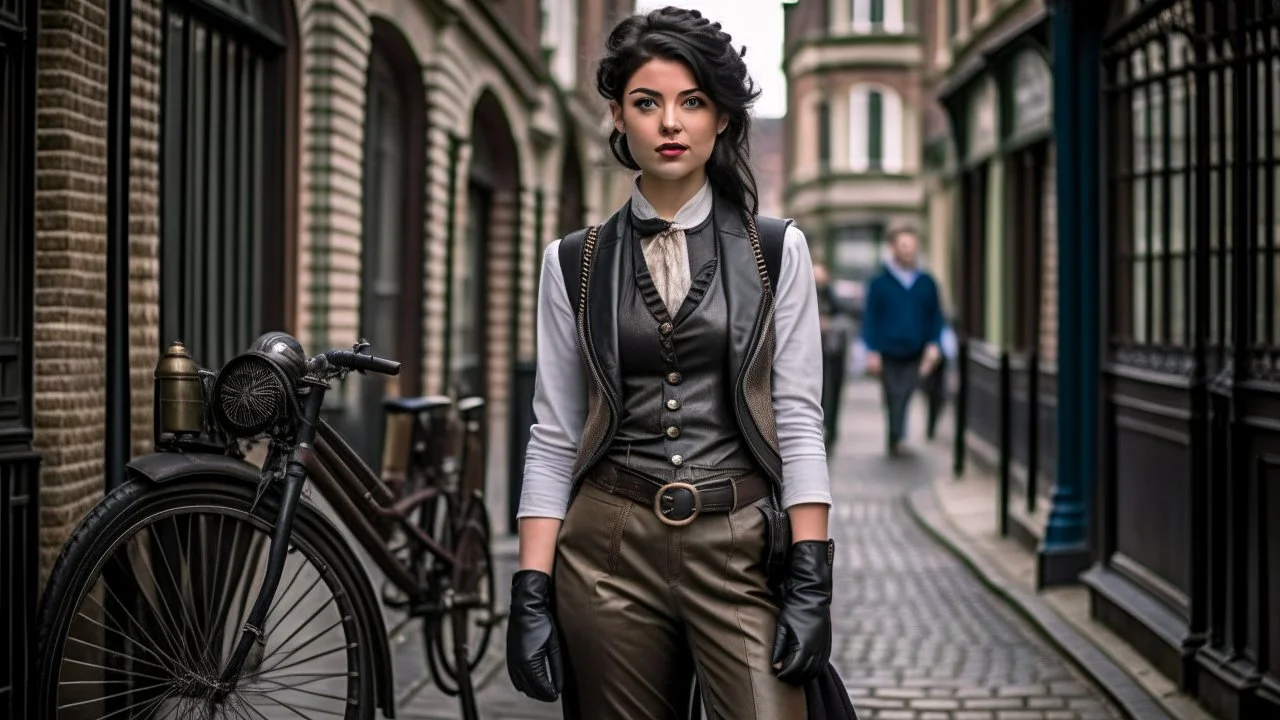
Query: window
pixel 876 16
pixel 222 261
pixel 1158 220
pixel 824 135
pixel 876 126
pixel 953 18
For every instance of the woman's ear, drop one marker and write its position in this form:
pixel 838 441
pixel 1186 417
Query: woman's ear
pixel 723 123
pixel 616 110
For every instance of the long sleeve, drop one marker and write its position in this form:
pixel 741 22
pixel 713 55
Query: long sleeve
pixel 797 377
pixel 559 399
pixel 871 317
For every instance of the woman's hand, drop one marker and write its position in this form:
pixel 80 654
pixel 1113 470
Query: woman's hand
pixel 802 644
pixel 533 646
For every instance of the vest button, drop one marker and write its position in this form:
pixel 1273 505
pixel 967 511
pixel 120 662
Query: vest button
pixel 666 328
pixel 677 460
pixel 673 404
pixel 673 432
pixel 673 378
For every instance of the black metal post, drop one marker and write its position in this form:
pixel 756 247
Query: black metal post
pixel 1006 439
pixel 961 408
pixel 119 73
pixel 1033 427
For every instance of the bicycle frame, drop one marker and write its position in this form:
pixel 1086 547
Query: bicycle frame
pixel 363 502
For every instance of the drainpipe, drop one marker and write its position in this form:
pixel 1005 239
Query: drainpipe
pixel 1064 552
pixel 119 72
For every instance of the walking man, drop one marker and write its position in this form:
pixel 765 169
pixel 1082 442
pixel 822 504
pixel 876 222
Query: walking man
pixel 901 328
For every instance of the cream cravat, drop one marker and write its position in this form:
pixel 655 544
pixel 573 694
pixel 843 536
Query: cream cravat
pixel 668 259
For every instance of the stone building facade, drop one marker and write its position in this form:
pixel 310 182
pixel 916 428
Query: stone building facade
pixel 990 183
pixel 388 169
pixel 853 136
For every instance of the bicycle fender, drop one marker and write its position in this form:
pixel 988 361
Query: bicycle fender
pixel 169 467
pixel 165 466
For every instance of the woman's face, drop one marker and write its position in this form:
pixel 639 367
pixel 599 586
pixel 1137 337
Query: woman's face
pixel 671 125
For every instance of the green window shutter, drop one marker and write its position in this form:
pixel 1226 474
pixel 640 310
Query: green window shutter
pixel 877 13
pixel 824 135
pixel 875 131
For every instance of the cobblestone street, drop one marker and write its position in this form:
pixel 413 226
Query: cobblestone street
pixel 917 636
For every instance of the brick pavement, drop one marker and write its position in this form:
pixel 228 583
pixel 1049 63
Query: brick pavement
pixel 917 636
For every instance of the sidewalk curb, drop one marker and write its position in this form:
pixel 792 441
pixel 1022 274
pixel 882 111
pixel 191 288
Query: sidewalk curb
pixel 1123 691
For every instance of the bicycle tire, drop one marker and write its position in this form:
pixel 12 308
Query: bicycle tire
pixel 122 515
pixel 471 543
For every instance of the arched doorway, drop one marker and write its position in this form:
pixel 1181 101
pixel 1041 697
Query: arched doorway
pixel 228 173
pixel 391 249
pixel 485 250
pixel 572 204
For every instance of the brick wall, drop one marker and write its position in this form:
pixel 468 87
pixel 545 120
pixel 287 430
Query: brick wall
pixel 335 43
pixel 144 218
pixel 70 277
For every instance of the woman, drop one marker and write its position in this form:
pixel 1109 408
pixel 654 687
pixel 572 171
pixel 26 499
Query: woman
pixel 657 458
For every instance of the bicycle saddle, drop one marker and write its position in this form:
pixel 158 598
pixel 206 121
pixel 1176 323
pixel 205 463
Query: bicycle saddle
pixel 415 405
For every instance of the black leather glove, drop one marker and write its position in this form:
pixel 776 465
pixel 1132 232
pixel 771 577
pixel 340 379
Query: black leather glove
pixel 533 647
pixel 802 645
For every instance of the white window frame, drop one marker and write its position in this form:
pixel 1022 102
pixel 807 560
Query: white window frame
pixel 894 17
pixel 892 129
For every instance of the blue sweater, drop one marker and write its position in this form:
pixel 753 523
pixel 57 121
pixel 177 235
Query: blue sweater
pixel 898 321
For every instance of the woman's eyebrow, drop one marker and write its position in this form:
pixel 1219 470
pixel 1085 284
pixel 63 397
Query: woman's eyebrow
pixel 656 94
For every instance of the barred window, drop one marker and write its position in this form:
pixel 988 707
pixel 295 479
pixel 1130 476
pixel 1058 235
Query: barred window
pixel 222 200
pixel 1192 167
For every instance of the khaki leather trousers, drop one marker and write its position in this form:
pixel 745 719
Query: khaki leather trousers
pixel 642 606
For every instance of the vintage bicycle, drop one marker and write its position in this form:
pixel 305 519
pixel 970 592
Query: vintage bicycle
pixel 209 587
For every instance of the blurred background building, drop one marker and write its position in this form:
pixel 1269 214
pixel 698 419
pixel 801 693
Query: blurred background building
pixel 853 131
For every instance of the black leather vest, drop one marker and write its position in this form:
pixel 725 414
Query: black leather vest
pixel 749 341
pixel 677 411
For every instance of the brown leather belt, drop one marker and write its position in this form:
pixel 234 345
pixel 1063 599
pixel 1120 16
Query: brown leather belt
pixel 680 503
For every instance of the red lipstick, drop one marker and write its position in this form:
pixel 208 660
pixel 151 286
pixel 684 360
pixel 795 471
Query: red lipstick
pixel 672 150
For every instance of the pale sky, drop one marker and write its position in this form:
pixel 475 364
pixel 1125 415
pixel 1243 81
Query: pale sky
pixel 756 24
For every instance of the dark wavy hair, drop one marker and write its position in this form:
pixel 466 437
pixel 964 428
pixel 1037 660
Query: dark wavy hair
pixel 685 36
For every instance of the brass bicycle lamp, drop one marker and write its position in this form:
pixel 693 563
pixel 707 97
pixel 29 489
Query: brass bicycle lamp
pixel 181 395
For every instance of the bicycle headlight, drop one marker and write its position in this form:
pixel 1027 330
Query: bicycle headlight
pixel 253 394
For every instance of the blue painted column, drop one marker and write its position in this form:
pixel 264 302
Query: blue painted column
pixel 1064 552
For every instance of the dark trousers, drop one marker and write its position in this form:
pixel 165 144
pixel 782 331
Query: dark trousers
pixel 899 378
pixel 935 388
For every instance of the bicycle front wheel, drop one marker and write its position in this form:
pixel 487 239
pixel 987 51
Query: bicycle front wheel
pixel 150 595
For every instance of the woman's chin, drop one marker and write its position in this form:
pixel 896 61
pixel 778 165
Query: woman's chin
pixel 669 171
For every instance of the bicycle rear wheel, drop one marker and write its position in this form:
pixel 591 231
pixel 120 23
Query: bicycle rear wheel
pixel 150 594
pixel 473 610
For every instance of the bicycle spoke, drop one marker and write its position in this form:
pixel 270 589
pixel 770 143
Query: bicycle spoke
pixel 284 593
pixel 147 705
pixel 156 650
pixel 299 662
pixel 298 604
pixel 298 688
pixel 297 710
pixel 114 670
pixel 299 629
pixel 109 697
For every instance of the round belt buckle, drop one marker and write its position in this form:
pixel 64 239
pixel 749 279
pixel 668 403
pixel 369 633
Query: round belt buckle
pixel 669 501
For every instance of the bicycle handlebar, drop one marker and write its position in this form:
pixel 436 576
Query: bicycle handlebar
pixel 359 361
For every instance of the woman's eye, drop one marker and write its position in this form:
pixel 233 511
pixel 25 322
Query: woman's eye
pixel 645 103
pixel 693 102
